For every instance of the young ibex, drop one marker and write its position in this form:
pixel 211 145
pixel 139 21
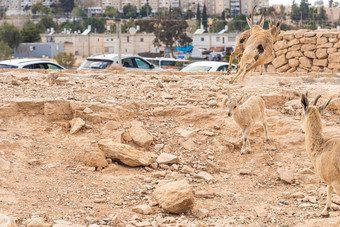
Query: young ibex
pixel 324 153
pixel 259 49
pixel 246 115
pixel 242 39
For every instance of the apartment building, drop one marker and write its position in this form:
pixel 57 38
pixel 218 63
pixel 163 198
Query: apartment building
pixel 16 7
pixel 87 45
pixel 237 7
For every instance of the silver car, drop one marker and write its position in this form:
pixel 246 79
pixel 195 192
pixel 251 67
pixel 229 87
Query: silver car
pixel 29 64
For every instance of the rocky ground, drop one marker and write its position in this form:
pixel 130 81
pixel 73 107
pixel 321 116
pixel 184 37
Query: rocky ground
pixel 59 133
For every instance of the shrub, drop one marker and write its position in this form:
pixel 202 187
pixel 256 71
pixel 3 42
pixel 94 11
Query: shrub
pixel 65 59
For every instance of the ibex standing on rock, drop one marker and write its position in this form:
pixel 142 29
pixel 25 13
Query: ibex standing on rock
pixel 246 115
pixel 259 49
pixel 241 41
pixel 324 153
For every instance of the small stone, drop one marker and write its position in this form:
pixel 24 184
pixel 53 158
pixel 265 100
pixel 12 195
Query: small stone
pixel 91 220
pixel 205 176
pixel 187 169
pixel 245 172
pixel 166 158
pixel 143 209
pixel 87 110
pixel 204 194
pixel 159 174
pixel 159 147
pixel 76 125
pixel 201 213
pixel 261 211
pixel 212 103
pixel 34 162
pixel 286 176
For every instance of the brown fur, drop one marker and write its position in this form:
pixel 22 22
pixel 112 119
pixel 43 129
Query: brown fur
pixel 323 152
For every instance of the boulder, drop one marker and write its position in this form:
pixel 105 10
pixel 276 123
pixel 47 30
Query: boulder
pixel 279 61
pixel 279 52
pixel 293 62
pixel 6 221
pixel 333 40
pixel 320 62
pixel 334 65
pixel 175 197
pixel 76 125
pixel 321 53
pixel 305 62
pixel 286 176
pixel 295 47
pixel 126 154
pixel 293 42
pixel 288 36
pixel 326 45
pixel 309 34
pixel 305 40
pixel 316 68
pixel 140 136
pixel 283 68
pixel 293 54
pixel 142 209
pixel 166 158
pixel 309 54
pixel 331 50
pixel 337 45
pixel 334 58
pixel 308 47
pixel 94 159
pixel 321 40
pixel 331 35
pixel 279 45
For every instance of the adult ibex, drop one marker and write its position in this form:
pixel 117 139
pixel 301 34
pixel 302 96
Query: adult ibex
pixel 259 49
pixel 241 41
pixel 323 152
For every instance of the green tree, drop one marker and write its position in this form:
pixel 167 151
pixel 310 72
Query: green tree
pixel 37 8
pixel 10 35
pixel 130 10
pixel 146 10
pixel 67 5
pixel 147 26
pixel 304 9
pixel 171 33
pixel 74 26
pixel 295 13
pixel 198 16
pixel 30 33
pixel 127 25
pixel 57 9
pixel 205 17
pixel 97 24
pixel 238 23
pixel 223 15
pixel 176 12
pixel 5 51
pixel 47 22
pixel 218 25
pixel 78 12
pixel 111 11
pixel 66 60
pixel 189 14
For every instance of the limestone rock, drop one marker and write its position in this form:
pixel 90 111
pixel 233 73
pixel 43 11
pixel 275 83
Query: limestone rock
pixel 283 68
pixel 286 176
pixel 308 40
pixel 321 40
pixel 205 176
pixel 175 197
pixel 201 213
pixel 166 158
pixel 333 40
pixel 308 47
pixel 334 58
pixel 305 62
pixel 321 53
pixel 59 110
pixel 337 45
pixel 278 53
pixel 279 61
pixel 142 209
pixel 310 54
pixel 94 159
pixel 76 125
pixel 293 42
pixel 331 50
pixel 334 65
pixel 88 110
pixel 279 45
pixel 205 194
pixel 6 221
pixel 140 136
pixel 320 62
pixel 126 154
pixel 288 36
pixel 295 47
pixel 293 54
pixel 293 62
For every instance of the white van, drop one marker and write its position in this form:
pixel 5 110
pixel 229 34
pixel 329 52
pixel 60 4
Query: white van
pixel 130 62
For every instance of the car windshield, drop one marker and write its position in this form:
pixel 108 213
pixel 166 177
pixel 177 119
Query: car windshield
pixel 196 68
pixel 97 64
pixel 5 66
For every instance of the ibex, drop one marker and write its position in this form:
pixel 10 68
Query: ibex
pixel 259 49
pixel 323 152
pixel 242 39
pixel 246 115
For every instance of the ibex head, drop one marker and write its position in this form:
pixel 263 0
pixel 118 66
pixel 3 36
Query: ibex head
pixel 253 27
pixel 275 27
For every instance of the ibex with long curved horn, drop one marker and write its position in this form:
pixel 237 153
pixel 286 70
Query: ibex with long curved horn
pixel 241 41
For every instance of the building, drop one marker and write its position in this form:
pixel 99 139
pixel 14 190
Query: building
pixel 17 7
pixel 87 45
pixel 38 50
pixel 238 7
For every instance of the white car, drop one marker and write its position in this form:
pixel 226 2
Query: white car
pixel 130 62
pixel 208 66
pixel 29 64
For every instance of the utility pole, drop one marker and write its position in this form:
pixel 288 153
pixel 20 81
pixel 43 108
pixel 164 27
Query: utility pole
pixel 147 8
pixel 119 34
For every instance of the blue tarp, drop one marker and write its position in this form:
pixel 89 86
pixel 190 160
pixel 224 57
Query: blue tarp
pixel 185 49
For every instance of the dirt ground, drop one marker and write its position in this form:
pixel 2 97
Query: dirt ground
pixel 44 172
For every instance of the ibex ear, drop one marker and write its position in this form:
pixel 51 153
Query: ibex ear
pixel 273 31
pixel 304 102
pixel 322 108
pixel 250 24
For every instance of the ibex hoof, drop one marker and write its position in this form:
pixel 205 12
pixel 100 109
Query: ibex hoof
pixel 248 152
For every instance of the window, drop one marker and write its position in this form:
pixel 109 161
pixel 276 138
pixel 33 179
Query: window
pixel 52 66
pixel 142 64
pixel 202 39
pixel 223 40
pixel 128 39
pixel 128 63
pixel 218 39
pixel 142 39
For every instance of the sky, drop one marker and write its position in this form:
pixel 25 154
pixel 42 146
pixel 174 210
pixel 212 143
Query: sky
pixel 285 2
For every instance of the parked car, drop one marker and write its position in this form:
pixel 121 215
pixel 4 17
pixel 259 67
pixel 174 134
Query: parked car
pixel 130 62
pixel 29 64
pixel 208 66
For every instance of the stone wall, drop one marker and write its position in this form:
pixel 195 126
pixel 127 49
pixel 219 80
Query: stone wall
pixel 306 50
